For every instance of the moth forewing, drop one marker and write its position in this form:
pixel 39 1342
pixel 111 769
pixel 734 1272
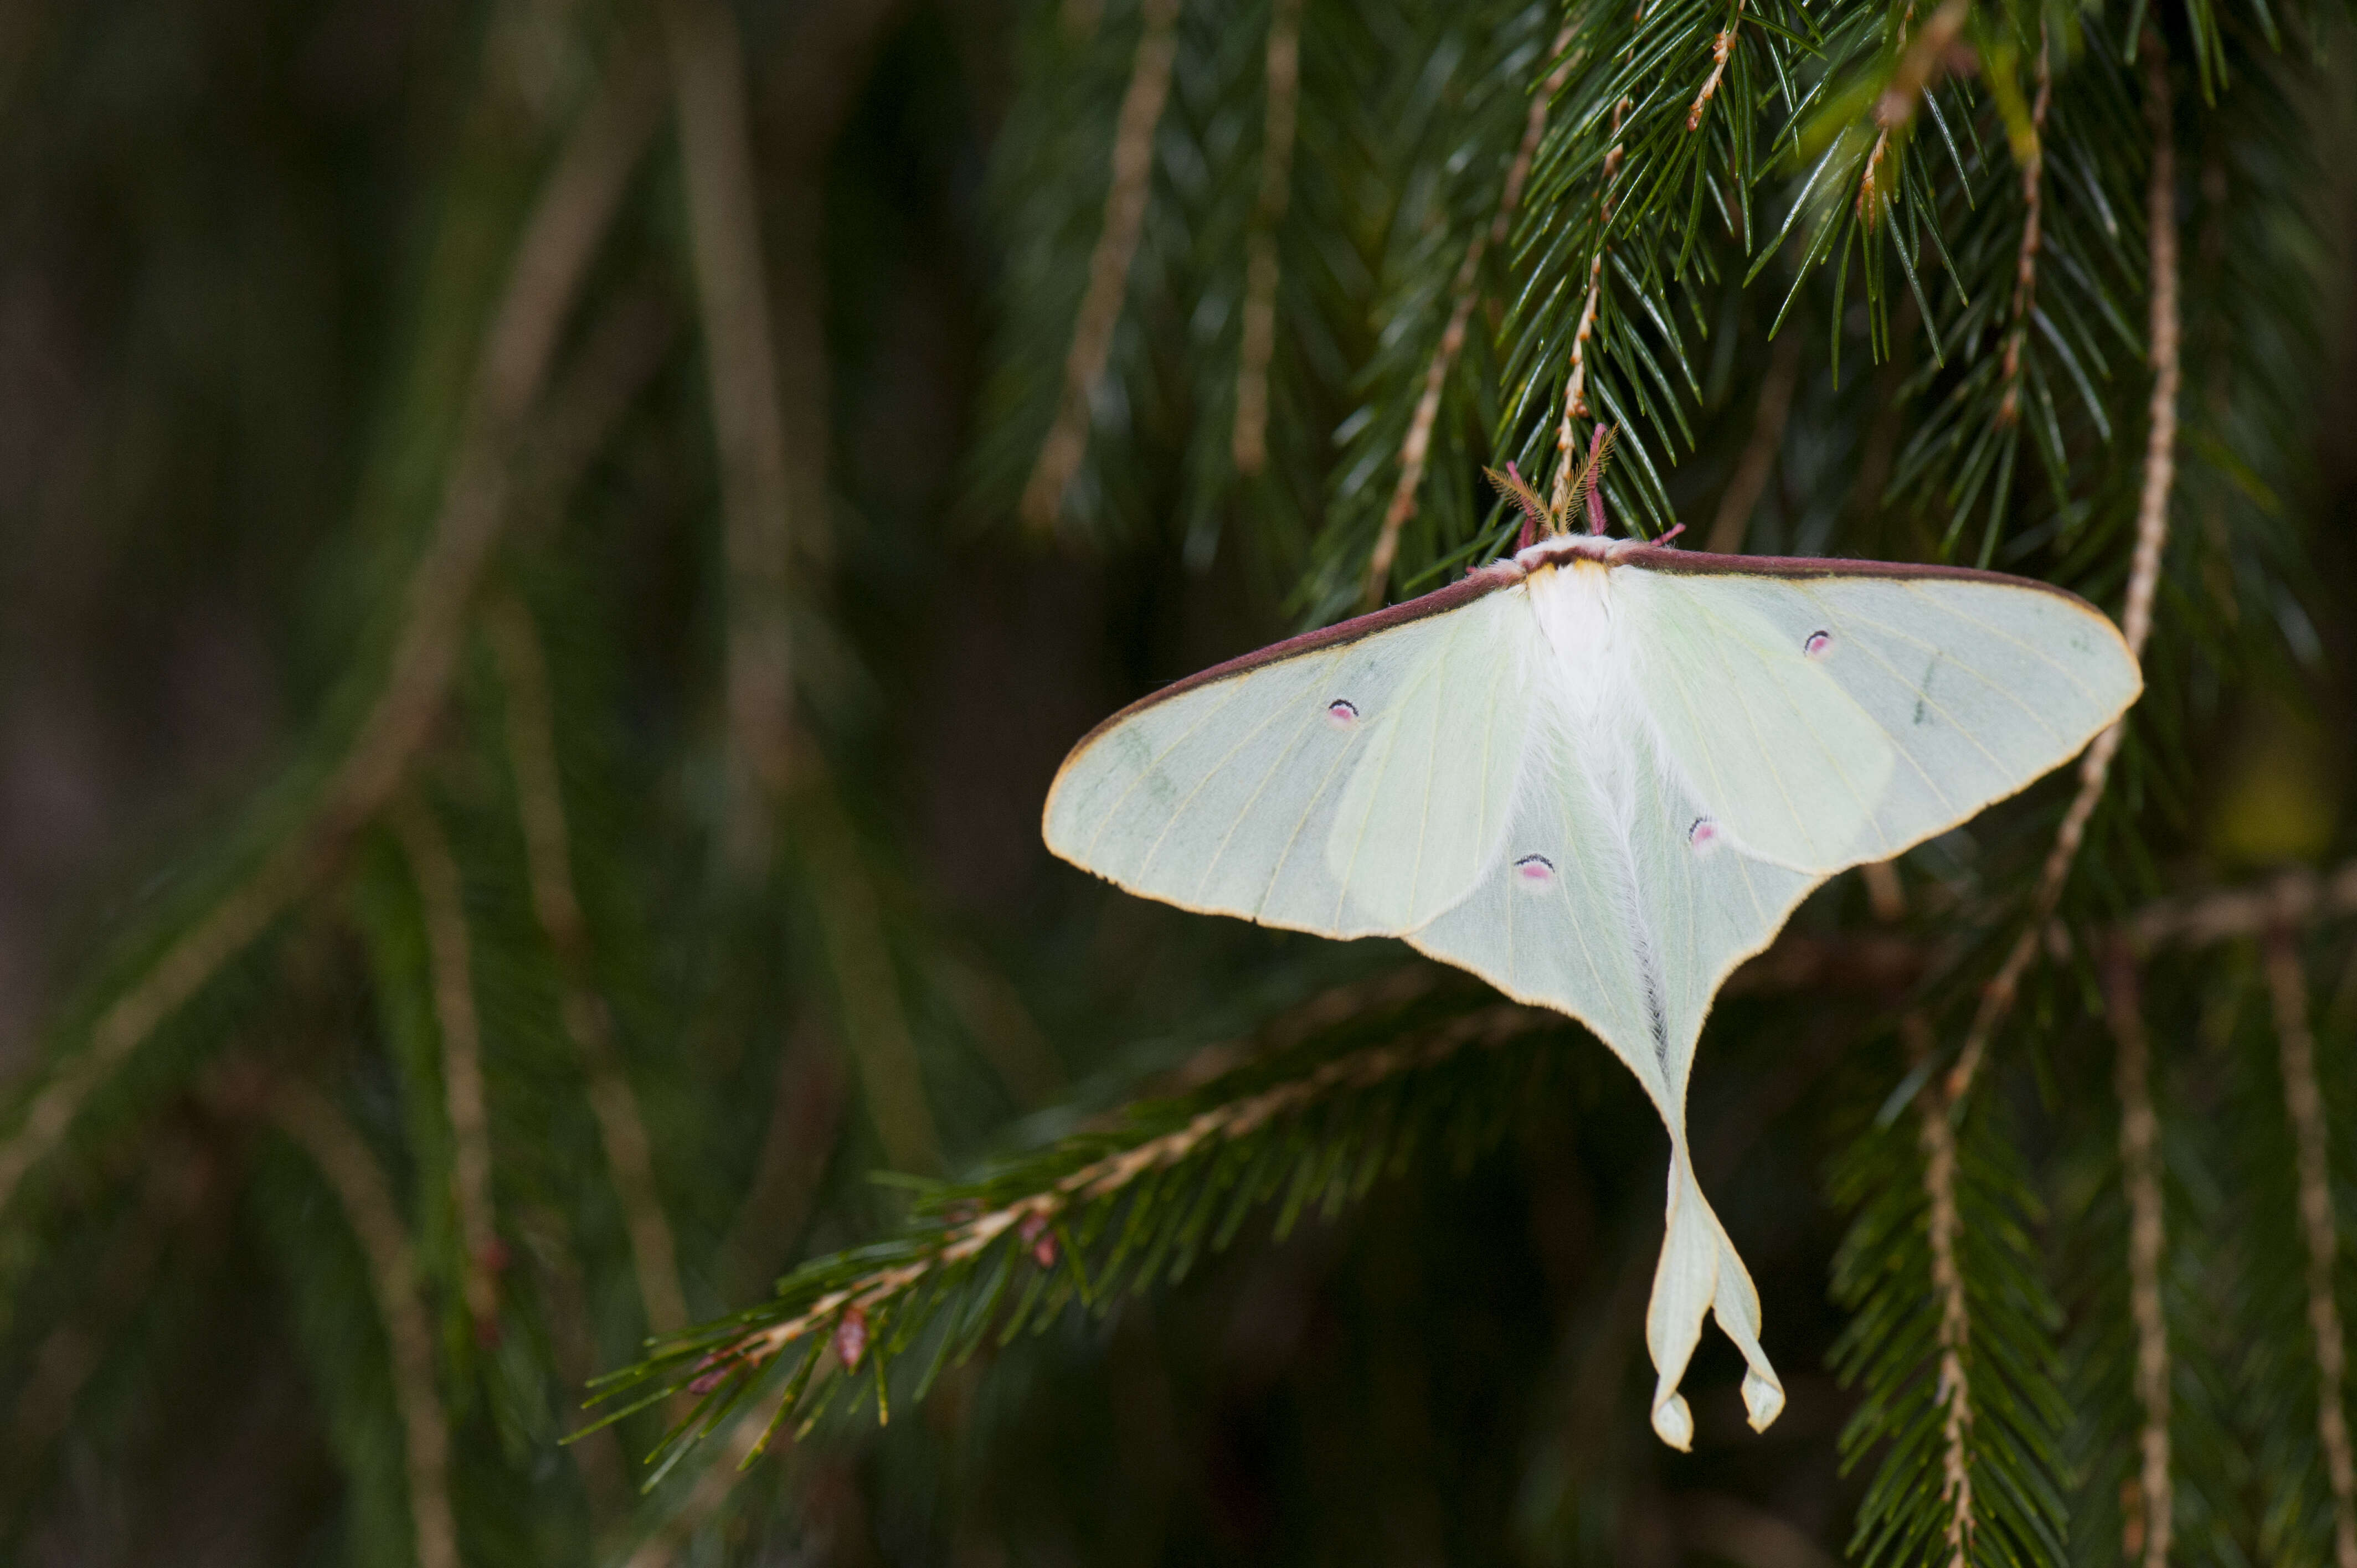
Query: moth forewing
pixel 1225 793
pixel 1425 808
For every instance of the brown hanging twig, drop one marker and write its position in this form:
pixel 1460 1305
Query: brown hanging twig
pixel 2144 571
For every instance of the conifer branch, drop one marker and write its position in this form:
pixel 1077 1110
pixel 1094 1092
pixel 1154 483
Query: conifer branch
pixel 441 897
pixel 1952 1389
pixel 1887 962
pixel 1100 313
pixel 1574 389
pixel 1917 69
pixel 2304 1107
pixel 1466 291
pixel 573 214
pixel 741 357
pixel 1720 48
pixel 548 856
pixel 218 936
pixel 1089 1219
pixel 620 353
pixel 2140 1177
pixel 2025 274
pixel 570 216
pixel 1951 1337
pixel 1109 1177
pixel 2160 437
pixel 1260 266
pixel 2286 902
pixel 1886 895
pixel 2152 533
pixel 312 1120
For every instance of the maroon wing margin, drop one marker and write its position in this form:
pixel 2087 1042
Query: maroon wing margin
pixel 1473 585
pixel 1702 564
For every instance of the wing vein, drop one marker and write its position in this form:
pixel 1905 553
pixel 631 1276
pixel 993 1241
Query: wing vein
pixel 1204 783
pixel 1390 747
pixel 1227 838
pixel 1929 701
pixel 1865 807
pixel 1159 757
pixel 2027 647
pixel 1949 654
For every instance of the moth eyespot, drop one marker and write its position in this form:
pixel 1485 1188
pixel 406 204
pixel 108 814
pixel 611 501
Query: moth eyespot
pixel 1703 834
pixel 1536 872
pixel 1818 643
pixel 1341 714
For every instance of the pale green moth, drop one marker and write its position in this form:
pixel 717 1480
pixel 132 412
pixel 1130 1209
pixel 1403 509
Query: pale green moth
pixel 1599 774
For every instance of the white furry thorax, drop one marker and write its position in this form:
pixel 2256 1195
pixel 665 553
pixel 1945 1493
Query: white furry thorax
pixel 1563 548
pixel 1571 593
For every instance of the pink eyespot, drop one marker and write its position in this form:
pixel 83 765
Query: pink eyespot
pixel 1818 643
pixel 1703 834
pixel 1536 872
pixel 1341 714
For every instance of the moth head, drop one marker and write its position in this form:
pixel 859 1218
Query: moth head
pixel 1550 519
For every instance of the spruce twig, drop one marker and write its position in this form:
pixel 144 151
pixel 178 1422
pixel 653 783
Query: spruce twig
pixel 1250 442
pixel 2292 899
pixel 548 856
pixel 724 225
pixel 1022 1235
pixel 1891 962
pixel 1466 291
pixel 1113 1174
pixel 663 1545
pixel 1720 48
pixel 442 903
pixel 2140 1176
pixel 2304 1108
pixel 2025 271
pixel 312 1120
pixel 1952 1389
pixel 1917 68
pixel 1100 313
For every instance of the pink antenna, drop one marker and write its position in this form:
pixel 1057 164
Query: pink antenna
pixel 1529 530
pixel 1596 446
